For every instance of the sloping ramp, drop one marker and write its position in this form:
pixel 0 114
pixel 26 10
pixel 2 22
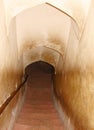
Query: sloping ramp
pixel 38 112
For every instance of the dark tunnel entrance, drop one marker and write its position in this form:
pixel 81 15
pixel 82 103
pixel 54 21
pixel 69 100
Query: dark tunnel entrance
pixel 39 67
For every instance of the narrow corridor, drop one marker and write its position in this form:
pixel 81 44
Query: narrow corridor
pixel 38 112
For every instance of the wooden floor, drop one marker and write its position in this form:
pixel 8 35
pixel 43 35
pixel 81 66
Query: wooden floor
pixel 38 112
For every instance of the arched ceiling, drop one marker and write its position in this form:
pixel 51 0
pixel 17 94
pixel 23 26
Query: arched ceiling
pixel 42 25
pixel 76 9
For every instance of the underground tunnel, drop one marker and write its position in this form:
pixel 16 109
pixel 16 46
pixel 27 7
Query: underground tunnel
pixel 58 33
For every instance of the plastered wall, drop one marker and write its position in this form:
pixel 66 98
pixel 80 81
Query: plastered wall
pixel 10 71
pixel 76 86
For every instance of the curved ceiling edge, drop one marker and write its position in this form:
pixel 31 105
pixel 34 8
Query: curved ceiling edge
pixel 63 11
pixel 26 8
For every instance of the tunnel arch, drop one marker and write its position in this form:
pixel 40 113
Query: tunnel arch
pixel 47 55
pixel 39 66
pixel 60 44
pixel 44 36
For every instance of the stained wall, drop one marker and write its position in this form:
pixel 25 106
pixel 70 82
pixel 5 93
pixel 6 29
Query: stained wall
pixel 75 88
pixel 10 71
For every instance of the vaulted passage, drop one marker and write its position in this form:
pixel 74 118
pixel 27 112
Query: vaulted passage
pixel 51 44
pixel 38 111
